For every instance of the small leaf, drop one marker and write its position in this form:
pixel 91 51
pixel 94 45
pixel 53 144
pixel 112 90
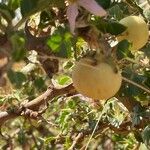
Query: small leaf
pixel 54 42
pixel 27 6
pixel 6 12
pixel 116 12
pixel 68 65
pixel 46 18
pixel 104 3
pixel 147 13
pixel 18 43
pixel 40 83
pixel 62 80
pixel 60 42
pixel 13 4
pixel 138 136
pixel 111 27
pixel 147 75
pixel 115 28
pixel 71 104
pixel 146 50
pixel 67 142
pixel 49 139
pixel 132 90
pixel 146 136
pixel 123 50
pixel 16 78
pixel 21 137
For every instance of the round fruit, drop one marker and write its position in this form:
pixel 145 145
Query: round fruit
pixel 137 31
pixel 97 81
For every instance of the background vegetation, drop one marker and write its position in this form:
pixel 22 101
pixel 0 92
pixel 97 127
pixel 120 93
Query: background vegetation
pixel 39 107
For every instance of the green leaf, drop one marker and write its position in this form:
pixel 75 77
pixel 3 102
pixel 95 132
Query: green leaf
pixel 16 78
pixel 123 50
pixel 40 83
pixel 18 44
pixel 146 50
pixel 27 6
pixel 21 137
pixel 61 42
pixel 68 65
pixel 54 42
pixel 109 26
pixel 116 12
pixel 115 28
pixel 104 3
pixel 147 75
pixel 6 12
pixel 46 18
pixel 50 139
pixel 146 136
pixel 63 80
pixel 2 99
pixel 67 142
pixel 71 104
pixel 63 119
pixel 138 136
pixel 147 14
pixel 13 4
pixel 129 89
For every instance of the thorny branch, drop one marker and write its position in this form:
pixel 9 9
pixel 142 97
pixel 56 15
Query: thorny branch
pixel 35 104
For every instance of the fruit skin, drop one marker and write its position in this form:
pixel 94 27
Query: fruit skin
pixel 137 32
pixel 98 82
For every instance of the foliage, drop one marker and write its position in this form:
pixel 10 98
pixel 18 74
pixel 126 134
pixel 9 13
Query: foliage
pixel 38 52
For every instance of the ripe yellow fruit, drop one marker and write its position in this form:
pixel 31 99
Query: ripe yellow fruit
pixel 99 81
pixel 137 31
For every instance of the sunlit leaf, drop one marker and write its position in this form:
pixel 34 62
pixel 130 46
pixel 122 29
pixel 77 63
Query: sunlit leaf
pixel 104 3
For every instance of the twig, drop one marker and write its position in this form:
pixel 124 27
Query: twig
pixel 75 141
pixel 136 84
pixel 99 118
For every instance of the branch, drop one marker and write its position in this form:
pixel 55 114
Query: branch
pixel 37 102
pixel 77 138
pixel 34 105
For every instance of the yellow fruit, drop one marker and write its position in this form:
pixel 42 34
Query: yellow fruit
pixel 137 31
pixel 97 81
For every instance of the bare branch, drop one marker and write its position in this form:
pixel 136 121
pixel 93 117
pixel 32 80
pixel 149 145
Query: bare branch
pixel 37 102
